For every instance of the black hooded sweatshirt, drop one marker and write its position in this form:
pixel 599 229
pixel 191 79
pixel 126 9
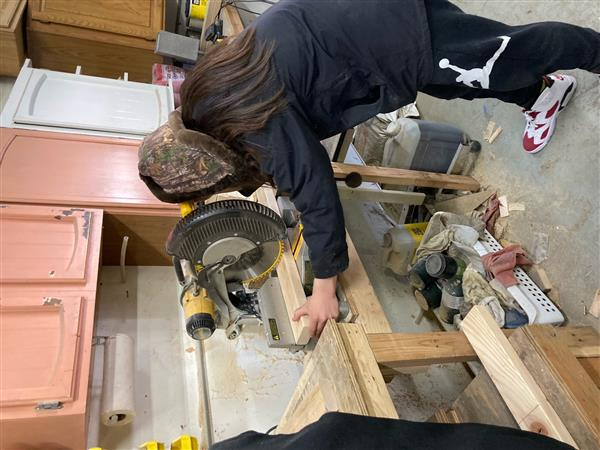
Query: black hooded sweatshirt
pixel 340 62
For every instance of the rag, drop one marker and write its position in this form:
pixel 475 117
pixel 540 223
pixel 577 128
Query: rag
pixel 491 214
pixel 501 264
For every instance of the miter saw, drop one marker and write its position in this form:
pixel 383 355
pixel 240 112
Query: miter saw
pixel 224 253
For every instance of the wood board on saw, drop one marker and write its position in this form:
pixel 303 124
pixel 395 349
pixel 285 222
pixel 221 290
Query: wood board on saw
pixel 288 275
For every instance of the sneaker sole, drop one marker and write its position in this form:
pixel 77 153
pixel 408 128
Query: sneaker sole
pixel 563 103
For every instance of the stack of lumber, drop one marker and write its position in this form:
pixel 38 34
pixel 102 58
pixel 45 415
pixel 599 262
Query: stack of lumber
pixel 532 380
pixel 340 375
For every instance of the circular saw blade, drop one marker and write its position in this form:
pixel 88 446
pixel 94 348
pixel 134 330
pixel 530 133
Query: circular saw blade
pixel 249 231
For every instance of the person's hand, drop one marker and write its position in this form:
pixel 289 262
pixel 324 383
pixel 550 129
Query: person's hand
pixel 321 306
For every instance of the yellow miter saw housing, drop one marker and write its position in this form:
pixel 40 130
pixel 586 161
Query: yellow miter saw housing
pixel 222 252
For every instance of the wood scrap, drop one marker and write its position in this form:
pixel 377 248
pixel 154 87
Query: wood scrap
pixel 540 278
pixel 594 308
pixel 503 206
pixel 518 388
pixel 491 132
pixel 566 385
pixel 495 135
pixel 514 206
pixel 464 204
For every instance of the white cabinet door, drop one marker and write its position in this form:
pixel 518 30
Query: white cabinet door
pixel 65 102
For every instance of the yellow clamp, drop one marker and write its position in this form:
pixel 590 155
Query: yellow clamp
pixel 185 442
pixel 152 445
pixel 186 208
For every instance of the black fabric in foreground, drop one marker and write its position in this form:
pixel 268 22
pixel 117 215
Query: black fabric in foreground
pixel 350 432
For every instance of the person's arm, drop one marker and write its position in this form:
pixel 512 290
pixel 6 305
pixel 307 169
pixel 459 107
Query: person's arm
pixel 300 166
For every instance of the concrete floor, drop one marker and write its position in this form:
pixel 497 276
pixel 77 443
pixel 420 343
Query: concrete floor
pixel 558 186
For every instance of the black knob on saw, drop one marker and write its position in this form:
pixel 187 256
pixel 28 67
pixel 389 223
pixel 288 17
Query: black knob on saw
pixel 200 326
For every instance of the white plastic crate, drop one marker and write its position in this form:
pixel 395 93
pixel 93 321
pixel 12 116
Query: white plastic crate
pixel 538 307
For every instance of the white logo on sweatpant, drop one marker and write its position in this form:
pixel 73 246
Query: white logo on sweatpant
pixel 482 75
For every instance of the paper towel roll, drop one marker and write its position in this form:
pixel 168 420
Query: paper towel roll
pixel 117 384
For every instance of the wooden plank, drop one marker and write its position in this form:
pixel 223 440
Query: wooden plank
pixel 515 383
pixel 372 385
pixel 464 204
pixel 380 195
pixel 404 177
pixel 481 402
pixel 343 145
pixel 289 277
pixel 567 386
pixel 232 23
pixel 396 350
pixel 595 306
pixel 592 367
pixel 328 383
pixel 211 14
pixel 444 415
pixel 359 292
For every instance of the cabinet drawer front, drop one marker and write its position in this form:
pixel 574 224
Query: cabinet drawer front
pixel 138 18
pixel 58 169
pixel 38 346
pixel 44 245
pixel 10 13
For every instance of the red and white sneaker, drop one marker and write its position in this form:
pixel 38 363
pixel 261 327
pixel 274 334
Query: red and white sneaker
pixel 541 118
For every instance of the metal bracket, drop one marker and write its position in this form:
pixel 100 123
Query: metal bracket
pixel 49 406
pixel 52 301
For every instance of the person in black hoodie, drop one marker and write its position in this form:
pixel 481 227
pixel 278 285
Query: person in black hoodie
pixel 306 70
pixel 337 431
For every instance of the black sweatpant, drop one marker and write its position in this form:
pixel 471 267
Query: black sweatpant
pixel 475 57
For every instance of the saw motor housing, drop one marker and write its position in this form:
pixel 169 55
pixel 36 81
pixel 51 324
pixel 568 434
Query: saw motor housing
pixel 220 251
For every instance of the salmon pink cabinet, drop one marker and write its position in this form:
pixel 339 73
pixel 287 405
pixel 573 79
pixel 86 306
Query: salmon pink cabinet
pixel 49 261
pixel 50 168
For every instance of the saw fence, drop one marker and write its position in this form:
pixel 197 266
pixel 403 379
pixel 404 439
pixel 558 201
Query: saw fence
pixel 538 378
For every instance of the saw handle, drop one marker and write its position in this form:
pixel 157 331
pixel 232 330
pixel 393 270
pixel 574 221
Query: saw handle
pixel 178 270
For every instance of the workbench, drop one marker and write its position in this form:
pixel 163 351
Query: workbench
pixel 345 374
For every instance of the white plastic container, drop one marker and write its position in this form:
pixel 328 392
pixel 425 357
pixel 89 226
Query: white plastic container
pixel 400 244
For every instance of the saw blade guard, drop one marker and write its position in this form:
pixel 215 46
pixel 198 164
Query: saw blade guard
pixel 248 231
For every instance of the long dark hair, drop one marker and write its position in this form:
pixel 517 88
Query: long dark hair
pixel 232 91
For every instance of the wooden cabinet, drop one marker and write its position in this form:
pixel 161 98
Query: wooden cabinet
pixel 91 172
pixel 139 18
pixel 49 263
pixel 105 37
pixel 12 48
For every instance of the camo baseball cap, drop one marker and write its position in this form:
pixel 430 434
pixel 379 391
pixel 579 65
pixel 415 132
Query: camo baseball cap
pixel 180 164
